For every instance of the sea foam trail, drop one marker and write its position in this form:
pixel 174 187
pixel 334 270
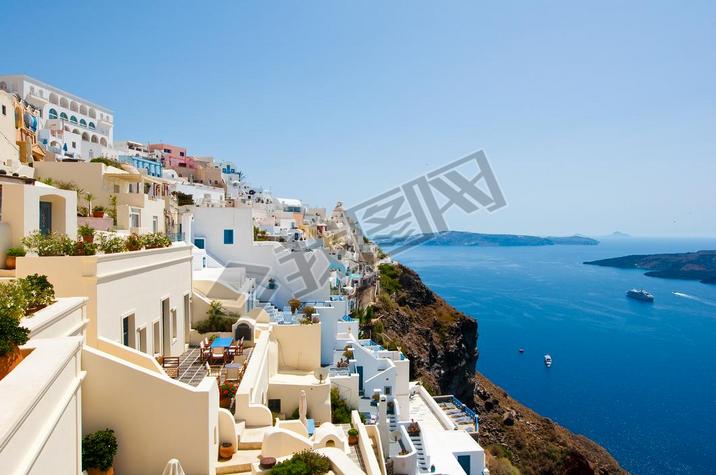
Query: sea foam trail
pixel 692 297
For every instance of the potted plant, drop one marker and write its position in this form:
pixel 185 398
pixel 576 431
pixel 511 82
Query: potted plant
pixel 98 451
pixel 294 303
pixel 98 212
pixel 86 233
pixel 413 428
pixel 272 283
pixel 227 391
pixel 352 436
pixel 226 450
pixel 134 242
pixel 308 311
pixel 11 255
pixel 12 335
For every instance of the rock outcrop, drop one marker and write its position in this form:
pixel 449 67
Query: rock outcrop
pixel 441 343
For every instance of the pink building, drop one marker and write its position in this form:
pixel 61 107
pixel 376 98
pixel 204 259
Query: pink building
pixel 172 155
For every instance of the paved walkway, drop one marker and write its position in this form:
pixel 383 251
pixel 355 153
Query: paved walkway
pixel 191 369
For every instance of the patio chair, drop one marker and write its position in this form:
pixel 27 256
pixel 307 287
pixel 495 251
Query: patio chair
pixel 171 366
pixel 233 351
pixel 232 373
pixel 218 354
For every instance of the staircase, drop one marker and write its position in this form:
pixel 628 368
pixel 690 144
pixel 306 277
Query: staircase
pixel 272 311
pixel 392 422
pixel 422 460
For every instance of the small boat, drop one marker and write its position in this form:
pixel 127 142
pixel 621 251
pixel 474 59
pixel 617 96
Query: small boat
pixel 640 294
pixel 522 350
pixel 547 361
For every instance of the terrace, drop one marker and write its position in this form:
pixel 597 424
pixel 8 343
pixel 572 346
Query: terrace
pixel 194 367
pixel 461 415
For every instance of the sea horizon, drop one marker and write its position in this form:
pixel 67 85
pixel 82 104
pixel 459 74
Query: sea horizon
pixel 543 299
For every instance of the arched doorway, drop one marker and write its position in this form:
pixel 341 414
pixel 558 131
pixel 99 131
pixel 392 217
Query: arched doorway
pixel 243 330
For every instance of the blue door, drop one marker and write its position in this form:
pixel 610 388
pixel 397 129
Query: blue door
pixel 45 217
pixel 464 461
pixel 359 369
pixel 199 242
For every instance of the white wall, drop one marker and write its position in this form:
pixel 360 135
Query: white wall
pixel 40 420
pixel 154 417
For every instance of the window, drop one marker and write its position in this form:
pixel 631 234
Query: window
pixel 73 119
pixel 91 125
pixel 134 218
pixel 4 110
pixel 116 188
pixel 142 337
pixel 155 224
pixel 387 391
pixel 166 150
pixel 63 116
pixel 156 335
pixel 83 122
pixel 199 242
pixel 174 323
pixel 274 405
pixel 128 331
pixel 74 144
pixel 52 113
pixel 181 154
pixel 228 236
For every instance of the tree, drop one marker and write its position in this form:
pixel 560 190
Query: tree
pixel 89 197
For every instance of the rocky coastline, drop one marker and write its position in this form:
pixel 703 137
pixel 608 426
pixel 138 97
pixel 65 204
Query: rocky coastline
pixel 441 343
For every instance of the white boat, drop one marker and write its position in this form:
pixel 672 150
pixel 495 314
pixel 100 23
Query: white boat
pixel 547 361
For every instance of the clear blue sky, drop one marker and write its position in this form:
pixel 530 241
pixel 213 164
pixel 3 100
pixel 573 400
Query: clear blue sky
pixel 595 118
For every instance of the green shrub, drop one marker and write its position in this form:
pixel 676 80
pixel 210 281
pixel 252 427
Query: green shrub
pixel 13 302
pixel 156 240
pixel 340 411
pixel 107 161
pixel 18 251
pixel 216 320
pixel 389 278
pixel 134 242
pixel 99 449
pixel 110 244
pixel 306 462
pixel 39 292
pixel 52 244
pixel 12 334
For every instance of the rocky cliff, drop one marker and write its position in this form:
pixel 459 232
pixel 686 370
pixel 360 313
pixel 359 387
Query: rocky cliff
pixel 441 343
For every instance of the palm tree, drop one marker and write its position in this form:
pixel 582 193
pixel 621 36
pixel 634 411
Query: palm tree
pixel 241 175
pixel 89 197
pixel 216 310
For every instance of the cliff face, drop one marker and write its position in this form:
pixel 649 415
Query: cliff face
pixel 441 343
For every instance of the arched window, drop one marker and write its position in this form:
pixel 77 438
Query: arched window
pixel 83 109
pixel 85 136
pixel 103 142
pixel 74 107
pixel 73 119
pixel 53 98
pixel 91 125
pixel 63 116
pixel 92 113
pixel 94 139
pixel 83 122
pixel 64 103
pixel 52 114
pixel 76 131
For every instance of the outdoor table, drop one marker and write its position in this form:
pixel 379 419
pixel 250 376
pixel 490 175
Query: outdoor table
pixel 222 342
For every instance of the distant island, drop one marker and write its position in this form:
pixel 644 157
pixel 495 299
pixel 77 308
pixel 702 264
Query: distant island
pixel 618 235
pixel 699 265
pixel 462 238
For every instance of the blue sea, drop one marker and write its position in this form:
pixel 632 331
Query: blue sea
pixel 638 378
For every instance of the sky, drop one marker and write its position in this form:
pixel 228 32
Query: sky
pixel 595 117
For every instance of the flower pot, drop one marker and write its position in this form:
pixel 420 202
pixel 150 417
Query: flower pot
pixel 225 402
pixel 88 239
pixel 9 361
pixel 10 262
pixel 226 451
pixel 96 471
pixel 267 462
pixel 352 440
pixel 98 214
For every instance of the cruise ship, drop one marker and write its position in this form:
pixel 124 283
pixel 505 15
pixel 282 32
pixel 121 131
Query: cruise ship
pixel 640 294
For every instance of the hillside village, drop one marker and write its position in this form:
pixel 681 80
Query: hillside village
pixel 200 324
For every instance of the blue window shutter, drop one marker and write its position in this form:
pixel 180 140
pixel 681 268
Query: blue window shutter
pixel 228 236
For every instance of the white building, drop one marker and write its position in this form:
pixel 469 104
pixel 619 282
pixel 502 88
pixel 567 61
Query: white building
pixel 70 126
